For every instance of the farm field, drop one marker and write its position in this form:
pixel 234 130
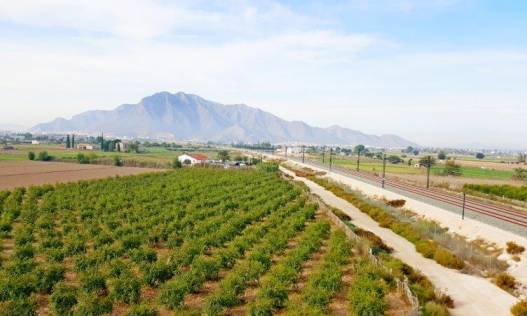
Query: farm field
pixel 16 173
pixel 473 172
pixel 189 242
pixel 153 156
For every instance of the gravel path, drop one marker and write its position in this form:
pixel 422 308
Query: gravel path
pixel 472 295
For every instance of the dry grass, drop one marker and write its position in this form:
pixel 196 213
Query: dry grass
pixel 514 249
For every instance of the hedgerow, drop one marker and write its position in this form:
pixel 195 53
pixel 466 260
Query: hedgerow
pixel 505 190
pixel 426 247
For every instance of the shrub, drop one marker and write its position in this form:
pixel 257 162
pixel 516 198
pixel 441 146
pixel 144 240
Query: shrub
pixel 340 214
pixel 131 242
pixel 142 255
pixel 172 293
pixel 93 281
pixel 446 300
pixel 63 299
pixel 93 305
pixel 377 244
pixel 426 248
pixel 506 281
pixel 118 268
pixel 83 159
pixel 16 287
pixel 142 310
pixel 514 249
pixel 48 276
pixel 31 155
pixel 156 273
pixel 396 203
pixel 117 161
pixel 24 251
pixel 448 259
pixel 520 174
pixel 44 156
pixel 176 164
pixel 519 309
pixel 20 307
pixel 367 297
pixel 434 309
pixel 127 289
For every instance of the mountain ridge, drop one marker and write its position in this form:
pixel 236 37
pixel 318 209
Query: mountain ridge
pixel 183 116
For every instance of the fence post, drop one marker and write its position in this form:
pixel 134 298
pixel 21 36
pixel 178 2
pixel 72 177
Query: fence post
pixel 464 202
pixel 383 169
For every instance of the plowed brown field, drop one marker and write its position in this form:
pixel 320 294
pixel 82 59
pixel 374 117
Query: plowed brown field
pixel 15 174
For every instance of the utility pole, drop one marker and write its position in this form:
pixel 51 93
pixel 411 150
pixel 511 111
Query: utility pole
pixel 330 157
pixel 303 150
pixel 358 160
pixel 383 169
pixel 323 155
pixel 428 167
pixel 285 151
pixel 464 202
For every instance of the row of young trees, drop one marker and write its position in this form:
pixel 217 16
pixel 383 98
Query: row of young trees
pixel 110 230
pixel 275 286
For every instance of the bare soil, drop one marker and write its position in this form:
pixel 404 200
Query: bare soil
pixel 15 174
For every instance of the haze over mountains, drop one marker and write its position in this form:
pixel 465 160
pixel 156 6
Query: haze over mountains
pixel 184 116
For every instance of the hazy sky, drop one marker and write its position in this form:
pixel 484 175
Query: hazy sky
pixel 439 72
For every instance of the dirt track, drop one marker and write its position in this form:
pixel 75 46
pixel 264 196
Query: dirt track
pixel 472 295
pixel 15 174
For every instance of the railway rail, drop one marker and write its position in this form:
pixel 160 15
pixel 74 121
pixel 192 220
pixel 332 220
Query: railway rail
pixel 506 214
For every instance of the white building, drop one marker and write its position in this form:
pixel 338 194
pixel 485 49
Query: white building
pixel 85 147
pixel 193 159
pixel 294 150
pixel 35 142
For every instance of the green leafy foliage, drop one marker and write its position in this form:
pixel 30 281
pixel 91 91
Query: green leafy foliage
pixel 505 190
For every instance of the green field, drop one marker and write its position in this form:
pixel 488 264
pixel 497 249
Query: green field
pixel 375 166
pixel 151 155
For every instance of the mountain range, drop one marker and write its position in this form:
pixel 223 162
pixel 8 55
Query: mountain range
pixel 182 116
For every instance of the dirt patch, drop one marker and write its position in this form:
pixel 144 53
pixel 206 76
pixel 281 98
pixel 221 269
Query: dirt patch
pixel 339 305
pixel 15 174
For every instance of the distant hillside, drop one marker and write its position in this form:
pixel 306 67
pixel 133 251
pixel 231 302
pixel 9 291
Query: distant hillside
pixel 12 127
pixel 183 116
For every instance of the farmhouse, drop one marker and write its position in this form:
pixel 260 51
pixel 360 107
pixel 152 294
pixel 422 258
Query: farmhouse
pixel 85 147
pixel 193 159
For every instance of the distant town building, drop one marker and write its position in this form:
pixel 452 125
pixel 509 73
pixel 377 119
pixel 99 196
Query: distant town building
pixel 85 147
pixel 193 159
pixel 35 142
pixel 294 150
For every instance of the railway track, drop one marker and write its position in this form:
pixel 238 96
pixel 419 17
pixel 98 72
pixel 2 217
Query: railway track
pixel 503 213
